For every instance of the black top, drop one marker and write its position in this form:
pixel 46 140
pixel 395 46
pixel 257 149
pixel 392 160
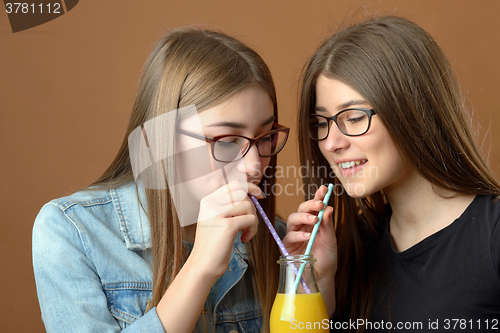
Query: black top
pixel 448 281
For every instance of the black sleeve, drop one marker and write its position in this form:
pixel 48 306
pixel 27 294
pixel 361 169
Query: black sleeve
pixel 280 226
pixel 495 238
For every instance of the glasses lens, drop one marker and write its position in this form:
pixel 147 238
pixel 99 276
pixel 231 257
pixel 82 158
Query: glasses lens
pixel 318 127
pixel 230 148
pixel 353 122
pixel 272 144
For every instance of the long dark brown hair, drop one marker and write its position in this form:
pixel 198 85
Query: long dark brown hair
pixel 405 77
pixel 203 68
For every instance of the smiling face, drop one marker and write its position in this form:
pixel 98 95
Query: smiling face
pixel 247 113
pixel 364 164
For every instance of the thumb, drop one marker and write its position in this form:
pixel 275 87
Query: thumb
pixel 327 226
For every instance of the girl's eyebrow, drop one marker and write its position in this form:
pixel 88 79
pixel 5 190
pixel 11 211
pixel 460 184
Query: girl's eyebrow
pixel 237 125
pixel 319 108
pixel 271 119
pixel 343 106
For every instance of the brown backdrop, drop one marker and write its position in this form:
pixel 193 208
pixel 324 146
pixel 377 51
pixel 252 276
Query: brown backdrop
pixel 67 87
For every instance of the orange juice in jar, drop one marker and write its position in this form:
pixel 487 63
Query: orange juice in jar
pixel 301 308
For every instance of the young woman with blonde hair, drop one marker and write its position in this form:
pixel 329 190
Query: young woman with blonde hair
pixel 413 236
pixel 116 255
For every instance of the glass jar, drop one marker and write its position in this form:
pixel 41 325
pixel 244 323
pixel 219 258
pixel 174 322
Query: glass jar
pixel 298 306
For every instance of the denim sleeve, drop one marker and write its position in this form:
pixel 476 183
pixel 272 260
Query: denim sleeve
pixel 69 290
pixel 150 322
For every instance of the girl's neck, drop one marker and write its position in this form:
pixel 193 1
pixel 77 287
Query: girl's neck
pixel 189 233
pixel 420 209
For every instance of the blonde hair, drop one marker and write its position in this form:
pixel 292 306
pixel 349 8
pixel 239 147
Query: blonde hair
pixel 201 67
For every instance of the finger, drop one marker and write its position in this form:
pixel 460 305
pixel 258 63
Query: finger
pixel 255 190
pixel 320 193
pixel 213 211
pixel 311 206
pixel 328 217
pixel 294 237
pixel 231 186
pixel 248 224
pixel 220 201
pixel 326 227
pixel 320 196
pixel 297 220
pixel 249 188
pixel 224 208
pixel 226 198
pixel 234 186
pixel 245 207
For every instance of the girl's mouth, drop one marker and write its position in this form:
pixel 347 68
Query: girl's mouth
pixel 348 168
pixel 351 164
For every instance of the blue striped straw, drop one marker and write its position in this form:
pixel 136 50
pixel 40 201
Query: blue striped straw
pixel 283 250
pixel 313 235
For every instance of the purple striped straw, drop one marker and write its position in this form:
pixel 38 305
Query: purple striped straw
pixel 283 250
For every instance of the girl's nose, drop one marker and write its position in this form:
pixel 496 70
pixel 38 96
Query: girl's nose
pixel 336 140
pixel 252 163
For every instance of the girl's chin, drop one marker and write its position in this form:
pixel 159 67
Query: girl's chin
pixel 356 190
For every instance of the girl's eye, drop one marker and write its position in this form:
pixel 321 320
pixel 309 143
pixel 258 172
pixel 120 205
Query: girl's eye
pixel 319 125
pixel 226 144
pixel 266 139
pixel 229 142
pixel 356 120
pixel 317 122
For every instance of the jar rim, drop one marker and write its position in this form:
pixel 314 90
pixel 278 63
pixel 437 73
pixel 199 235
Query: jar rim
pixel 297 258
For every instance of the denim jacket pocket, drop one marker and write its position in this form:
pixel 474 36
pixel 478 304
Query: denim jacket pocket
pixel 248 322
pixel 240 311
pixel 127 301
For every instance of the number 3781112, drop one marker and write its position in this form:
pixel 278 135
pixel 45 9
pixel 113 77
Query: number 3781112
pixel 26 8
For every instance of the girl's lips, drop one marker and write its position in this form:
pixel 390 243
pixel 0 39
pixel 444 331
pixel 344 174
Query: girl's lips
pixel 351 163
pixel 352 169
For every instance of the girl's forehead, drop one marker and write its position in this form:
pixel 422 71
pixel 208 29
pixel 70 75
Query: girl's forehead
pixel 246 108
pixel 192 123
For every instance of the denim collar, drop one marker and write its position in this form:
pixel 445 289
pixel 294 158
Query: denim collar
pixel 134 223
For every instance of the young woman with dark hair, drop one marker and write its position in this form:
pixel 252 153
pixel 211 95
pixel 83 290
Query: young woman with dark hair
pixel 413 234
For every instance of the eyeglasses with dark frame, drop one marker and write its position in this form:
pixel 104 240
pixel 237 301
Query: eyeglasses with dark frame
pixel 230 148
pixel 351 122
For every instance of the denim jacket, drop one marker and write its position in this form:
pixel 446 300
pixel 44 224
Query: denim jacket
pixel 91 260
